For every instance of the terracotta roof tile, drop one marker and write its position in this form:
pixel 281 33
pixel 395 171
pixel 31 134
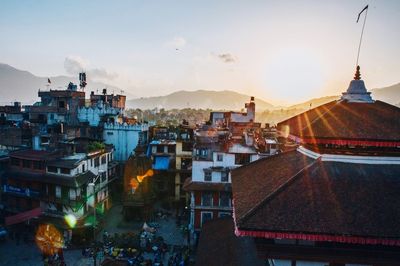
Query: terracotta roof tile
pixel 330 198
pixel 218 245
pixel 344 120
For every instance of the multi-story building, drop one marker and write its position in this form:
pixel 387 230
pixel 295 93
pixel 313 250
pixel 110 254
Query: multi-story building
pixel 55 186
pixel 219 148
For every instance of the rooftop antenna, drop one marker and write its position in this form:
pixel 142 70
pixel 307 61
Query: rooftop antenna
pixel 362 31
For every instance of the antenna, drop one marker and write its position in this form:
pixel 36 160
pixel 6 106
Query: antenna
pixel 362 31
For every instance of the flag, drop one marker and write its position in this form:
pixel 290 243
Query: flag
pixel 48 81
pixel 359 14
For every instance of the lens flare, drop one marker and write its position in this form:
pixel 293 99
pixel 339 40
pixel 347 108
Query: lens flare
pixel 49 239
pixel 70 219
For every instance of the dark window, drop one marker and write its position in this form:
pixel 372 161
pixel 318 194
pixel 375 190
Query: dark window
pixel 103 159
pixel 61 104
pixel 206 198
pixel 65 171
pixel 52 169
pixel 160 149
pixel 83 168
pixel 224 176
pixel 220 157
pixel 38 165
pixel 242 158
pixel 206 216
pixel 224 199
pixel 187 146
pixel 96 162
pixel 14 161
pixel 207 176
pixel 224 214
pixel 103 177
pixel 26 164
pixel 171 148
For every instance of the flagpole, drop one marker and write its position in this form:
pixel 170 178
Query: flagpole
pixel 362 32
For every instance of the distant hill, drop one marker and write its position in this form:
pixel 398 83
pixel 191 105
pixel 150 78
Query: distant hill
pixel 313 102
pixel 216 100
pixel 389 94
pixel 23 86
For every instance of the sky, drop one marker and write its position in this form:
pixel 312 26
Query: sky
pixel 281 51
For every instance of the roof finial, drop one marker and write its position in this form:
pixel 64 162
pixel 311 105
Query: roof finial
pixel 357 76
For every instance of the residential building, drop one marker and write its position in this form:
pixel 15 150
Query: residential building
pixel 57 186
pixel 219 148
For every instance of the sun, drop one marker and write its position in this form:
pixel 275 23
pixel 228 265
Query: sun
pixel 294 74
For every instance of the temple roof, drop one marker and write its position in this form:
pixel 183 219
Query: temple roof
pixel 377 121
pixel 218 245
pixel 317 197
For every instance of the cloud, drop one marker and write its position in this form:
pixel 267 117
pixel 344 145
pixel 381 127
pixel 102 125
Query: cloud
pixel 227 58
pixel 177 42
pixel 75 64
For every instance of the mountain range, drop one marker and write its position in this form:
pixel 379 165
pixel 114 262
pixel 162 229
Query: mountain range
pixel 22 86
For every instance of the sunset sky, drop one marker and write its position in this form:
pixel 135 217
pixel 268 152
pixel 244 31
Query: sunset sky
pixel 282 51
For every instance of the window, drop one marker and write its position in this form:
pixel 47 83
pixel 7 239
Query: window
pixel 224 214
pixel 26 164
pixel 171 148
pixel 207 176
pixel 206 199
pixel 51 116
pixel 206 216
pixel 242 158
pixel 14 161
pixel 83 168
pixel 103 159
pixel 187 146
pixel 224 199
pixel 224 176
pixel 160 149
pixel 52 169
pixel 58 192
pixel 220 157
pixel 72 194
pixel 96 162
pixel 103 177
pixel 110 133
pixel 61 104
pixel 65 171
pixel 37 165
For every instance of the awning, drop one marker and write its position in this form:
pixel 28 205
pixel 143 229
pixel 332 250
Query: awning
pixel 23 216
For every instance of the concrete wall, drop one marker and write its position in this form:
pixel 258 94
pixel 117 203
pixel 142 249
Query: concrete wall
pixel 124 137
pixel 92 115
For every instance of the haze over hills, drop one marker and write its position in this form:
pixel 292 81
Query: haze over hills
pixel 19 85
pixel 22 86
pixel 217 100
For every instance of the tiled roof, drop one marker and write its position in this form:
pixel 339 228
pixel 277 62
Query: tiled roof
pixel 253 182
pixel 218 245
pixel 190 185
pixel 32 154
pixel 345 120
pixel 317 197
